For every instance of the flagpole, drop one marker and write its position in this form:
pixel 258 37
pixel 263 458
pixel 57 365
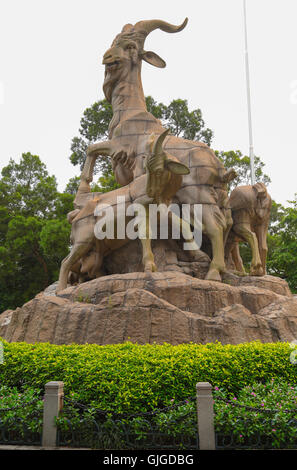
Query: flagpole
pixel 251 150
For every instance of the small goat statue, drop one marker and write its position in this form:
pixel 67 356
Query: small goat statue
pixel 251 207
pixel 164 178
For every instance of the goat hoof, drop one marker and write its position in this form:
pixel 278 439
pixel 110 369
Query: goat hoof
pixel 213 275
pixel 241 273
pixel 257 271
pixel 150 267
pixel 61 287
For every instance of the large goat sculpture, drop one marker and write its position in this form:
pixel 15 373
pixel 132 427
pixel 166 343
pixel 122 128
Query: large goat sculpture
pixel 132 125
pixel 158 186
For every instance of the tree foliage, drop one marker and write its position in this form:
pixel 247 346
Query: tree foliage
pixel 180 120
pixel 26 187
pixel 93 127
pixel 282 243
pixel 34 231
pixel 241 164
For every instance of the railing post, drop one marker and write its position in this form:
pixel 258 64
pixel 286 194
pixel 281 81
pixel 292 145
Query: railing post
pixel 205 416
pixel 53 403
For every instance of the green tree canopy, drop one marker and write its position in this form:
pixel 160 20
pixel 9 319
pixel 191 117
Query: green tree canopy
pixel 72 185
pixel 26 187
pixel 93 127
pixel 241 164
pixel 23 269
pixel 180 120
pixel 34 231
pixel 282 243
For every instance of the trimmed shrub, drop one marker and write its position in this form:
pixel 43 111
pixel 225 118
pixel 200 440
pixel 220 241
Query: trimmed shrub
pixel 20 415
pixel 266 416
pixel 128 378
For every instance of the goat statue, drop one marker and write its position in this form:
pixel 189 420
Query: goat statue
pixel 130 130
pixel 251 207
pixel 159 185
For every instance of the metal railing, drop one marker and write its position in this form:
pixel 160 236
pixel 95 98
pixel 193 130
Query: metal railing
pixel 169 427
pixel 146 430
pixel 250 436
pixel 65 422
pixel 188 424
pixel 14 430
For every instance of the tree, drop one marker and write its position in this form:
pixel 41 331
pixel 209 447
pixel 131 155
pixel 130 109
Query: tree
pixel 235 159
pixel 23 271
pixel 277 213
pixel 31 257
pixel 63 205
pixel 72 185
pixel 93 127
pixel 34 231
pixel 184 123
pixel 4 220
pixel 54 242
pixel 181 122
pixel 106 183
pixel 26 187
pixel 282 243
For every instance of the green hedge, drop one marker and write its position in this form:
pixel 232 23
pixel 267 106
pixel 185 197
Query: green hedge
pixel 130 377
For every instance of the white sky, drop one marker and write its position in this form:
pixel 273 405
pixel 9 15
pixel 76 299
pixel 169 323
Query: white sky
pixel 50 71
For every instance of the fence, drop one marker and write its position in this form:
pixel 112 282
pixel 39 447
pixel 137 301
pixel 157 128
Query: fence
pixel 79 427
pixel 61 421
pixel 256 431
pixel 147 430
pixel 15 431
pixel 106 429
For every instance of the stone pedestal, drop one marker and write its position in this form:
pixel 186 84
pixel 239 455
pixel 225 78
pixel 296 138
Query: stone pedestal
pixel 168 306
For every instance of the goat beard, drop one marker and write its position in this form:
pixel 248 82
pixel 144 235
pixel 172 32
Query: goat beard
pixel 112 79
pixel 110 82
pixel 108 87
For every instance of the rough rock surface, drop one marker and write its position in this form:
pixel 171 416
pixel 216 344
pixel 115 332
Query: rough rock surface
pixel 161 307
pixel 168 256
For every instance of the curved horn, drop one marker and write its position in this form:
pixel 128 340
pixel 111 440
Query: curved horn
pixel 150 25
pixel 157 148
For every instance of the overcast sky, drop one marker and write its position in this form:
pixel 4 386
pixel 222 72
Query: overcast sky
pixel 50 71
